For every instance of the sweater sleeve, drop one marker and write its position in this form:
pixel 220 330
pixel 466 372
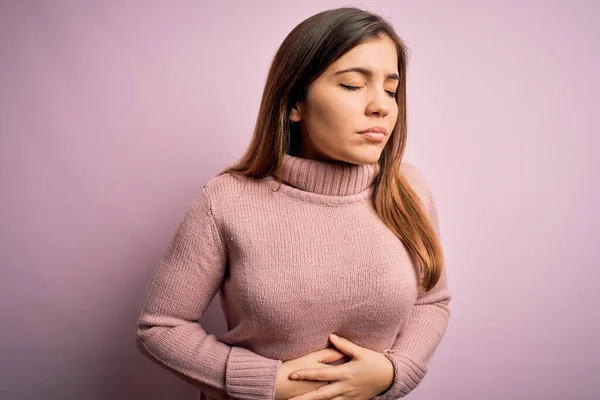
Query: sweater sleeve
pixel 415 345
pixel 187 278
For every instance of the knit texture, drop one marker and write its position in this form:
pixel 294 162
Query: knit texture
pixel 290 266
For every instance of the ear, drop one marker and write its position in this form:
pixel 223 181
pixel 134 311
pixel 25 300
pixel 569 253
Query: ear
pixel 295 113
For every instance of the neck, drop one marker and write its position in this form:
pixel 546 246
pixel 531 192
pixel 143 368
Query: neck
pixel 328 178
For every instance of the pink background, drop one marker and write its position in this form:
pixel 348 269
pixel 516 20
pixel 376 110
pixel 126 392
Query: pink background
pixel 114 114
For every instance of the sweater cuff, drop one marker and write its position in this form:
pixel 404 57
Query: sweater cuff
pixel 407 376
pixel 250 376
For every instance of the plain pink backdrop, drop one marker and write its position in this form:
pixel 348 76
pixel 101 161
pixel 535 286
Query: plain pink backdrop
pixel 114 114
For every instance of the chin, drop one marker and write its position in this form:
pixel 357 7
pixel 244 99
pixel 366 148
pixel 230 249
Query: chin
pixel 365 157
pixel 371 155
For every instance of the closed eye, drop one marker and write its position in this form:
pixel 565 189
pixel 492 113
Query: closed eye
pixel 353 88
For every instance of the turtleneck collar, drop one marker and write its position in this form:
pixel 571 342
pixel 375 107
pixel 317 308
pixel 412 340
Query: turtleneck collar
pixel 331 179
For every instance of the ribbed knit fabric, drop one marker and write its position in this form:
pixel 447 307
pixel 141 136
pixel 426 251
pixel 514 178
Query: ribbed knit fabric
pixel 290 266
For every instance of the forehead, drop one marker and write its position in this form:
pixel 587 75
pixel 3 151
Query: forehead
pixel 379 55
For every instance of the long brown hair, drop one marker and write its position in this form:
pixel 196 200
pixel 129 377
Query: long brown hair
pixel 305 53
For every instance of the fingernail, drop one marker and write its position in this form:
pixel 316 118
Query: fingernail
pixel 294 376
pixel 334 337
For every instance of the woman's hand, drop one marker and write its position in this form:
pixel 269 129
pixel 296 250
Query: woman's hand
pixel 367 375
pixel 287 388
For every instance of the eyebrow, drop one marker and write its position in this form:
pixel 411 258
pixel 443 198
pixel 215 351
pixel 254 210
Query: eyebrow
pixel 366 72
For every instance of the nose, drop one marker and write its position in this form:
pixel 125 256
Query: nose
pixel 378 103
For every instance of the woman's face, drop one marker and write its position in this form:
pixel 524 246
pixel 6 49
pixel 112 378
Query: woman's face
pixel 333 114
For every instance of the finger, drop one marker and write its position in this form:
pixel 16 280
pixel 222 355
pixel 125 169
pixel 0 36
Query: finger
pixel 326 392
pixel 345 345
pixel 329 355
pixel 322 374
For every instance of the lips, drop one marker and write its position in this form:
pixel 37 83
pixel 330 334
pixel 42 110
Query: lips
pixel 376 136
pixel 376 129
pixel 376 133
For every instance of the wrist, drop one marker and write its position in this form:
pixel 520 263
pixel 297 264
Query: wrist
pixel 389 375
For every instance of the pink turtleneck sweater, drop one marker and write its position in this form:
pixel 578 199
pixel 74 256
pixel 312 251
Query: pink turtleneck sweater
pixel 290 267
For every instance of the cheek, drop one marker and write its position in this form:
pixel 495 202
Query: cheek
pixel 342 113
pixel 393 117
pixel 333 116
pixel 330 117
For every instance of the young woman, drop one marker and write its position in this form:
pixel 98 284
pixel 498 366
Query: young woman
pixel 320 229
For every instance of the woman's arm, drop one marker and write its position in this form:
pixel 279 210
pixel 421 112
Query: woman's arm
pixel 415 345
pixel 187 278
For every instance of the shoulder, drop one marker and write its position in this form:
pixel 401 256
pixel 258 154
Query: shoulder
pixel 226 184
pixel 417 180
pixel 227 191
pixel 215 189
pixel 420 185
